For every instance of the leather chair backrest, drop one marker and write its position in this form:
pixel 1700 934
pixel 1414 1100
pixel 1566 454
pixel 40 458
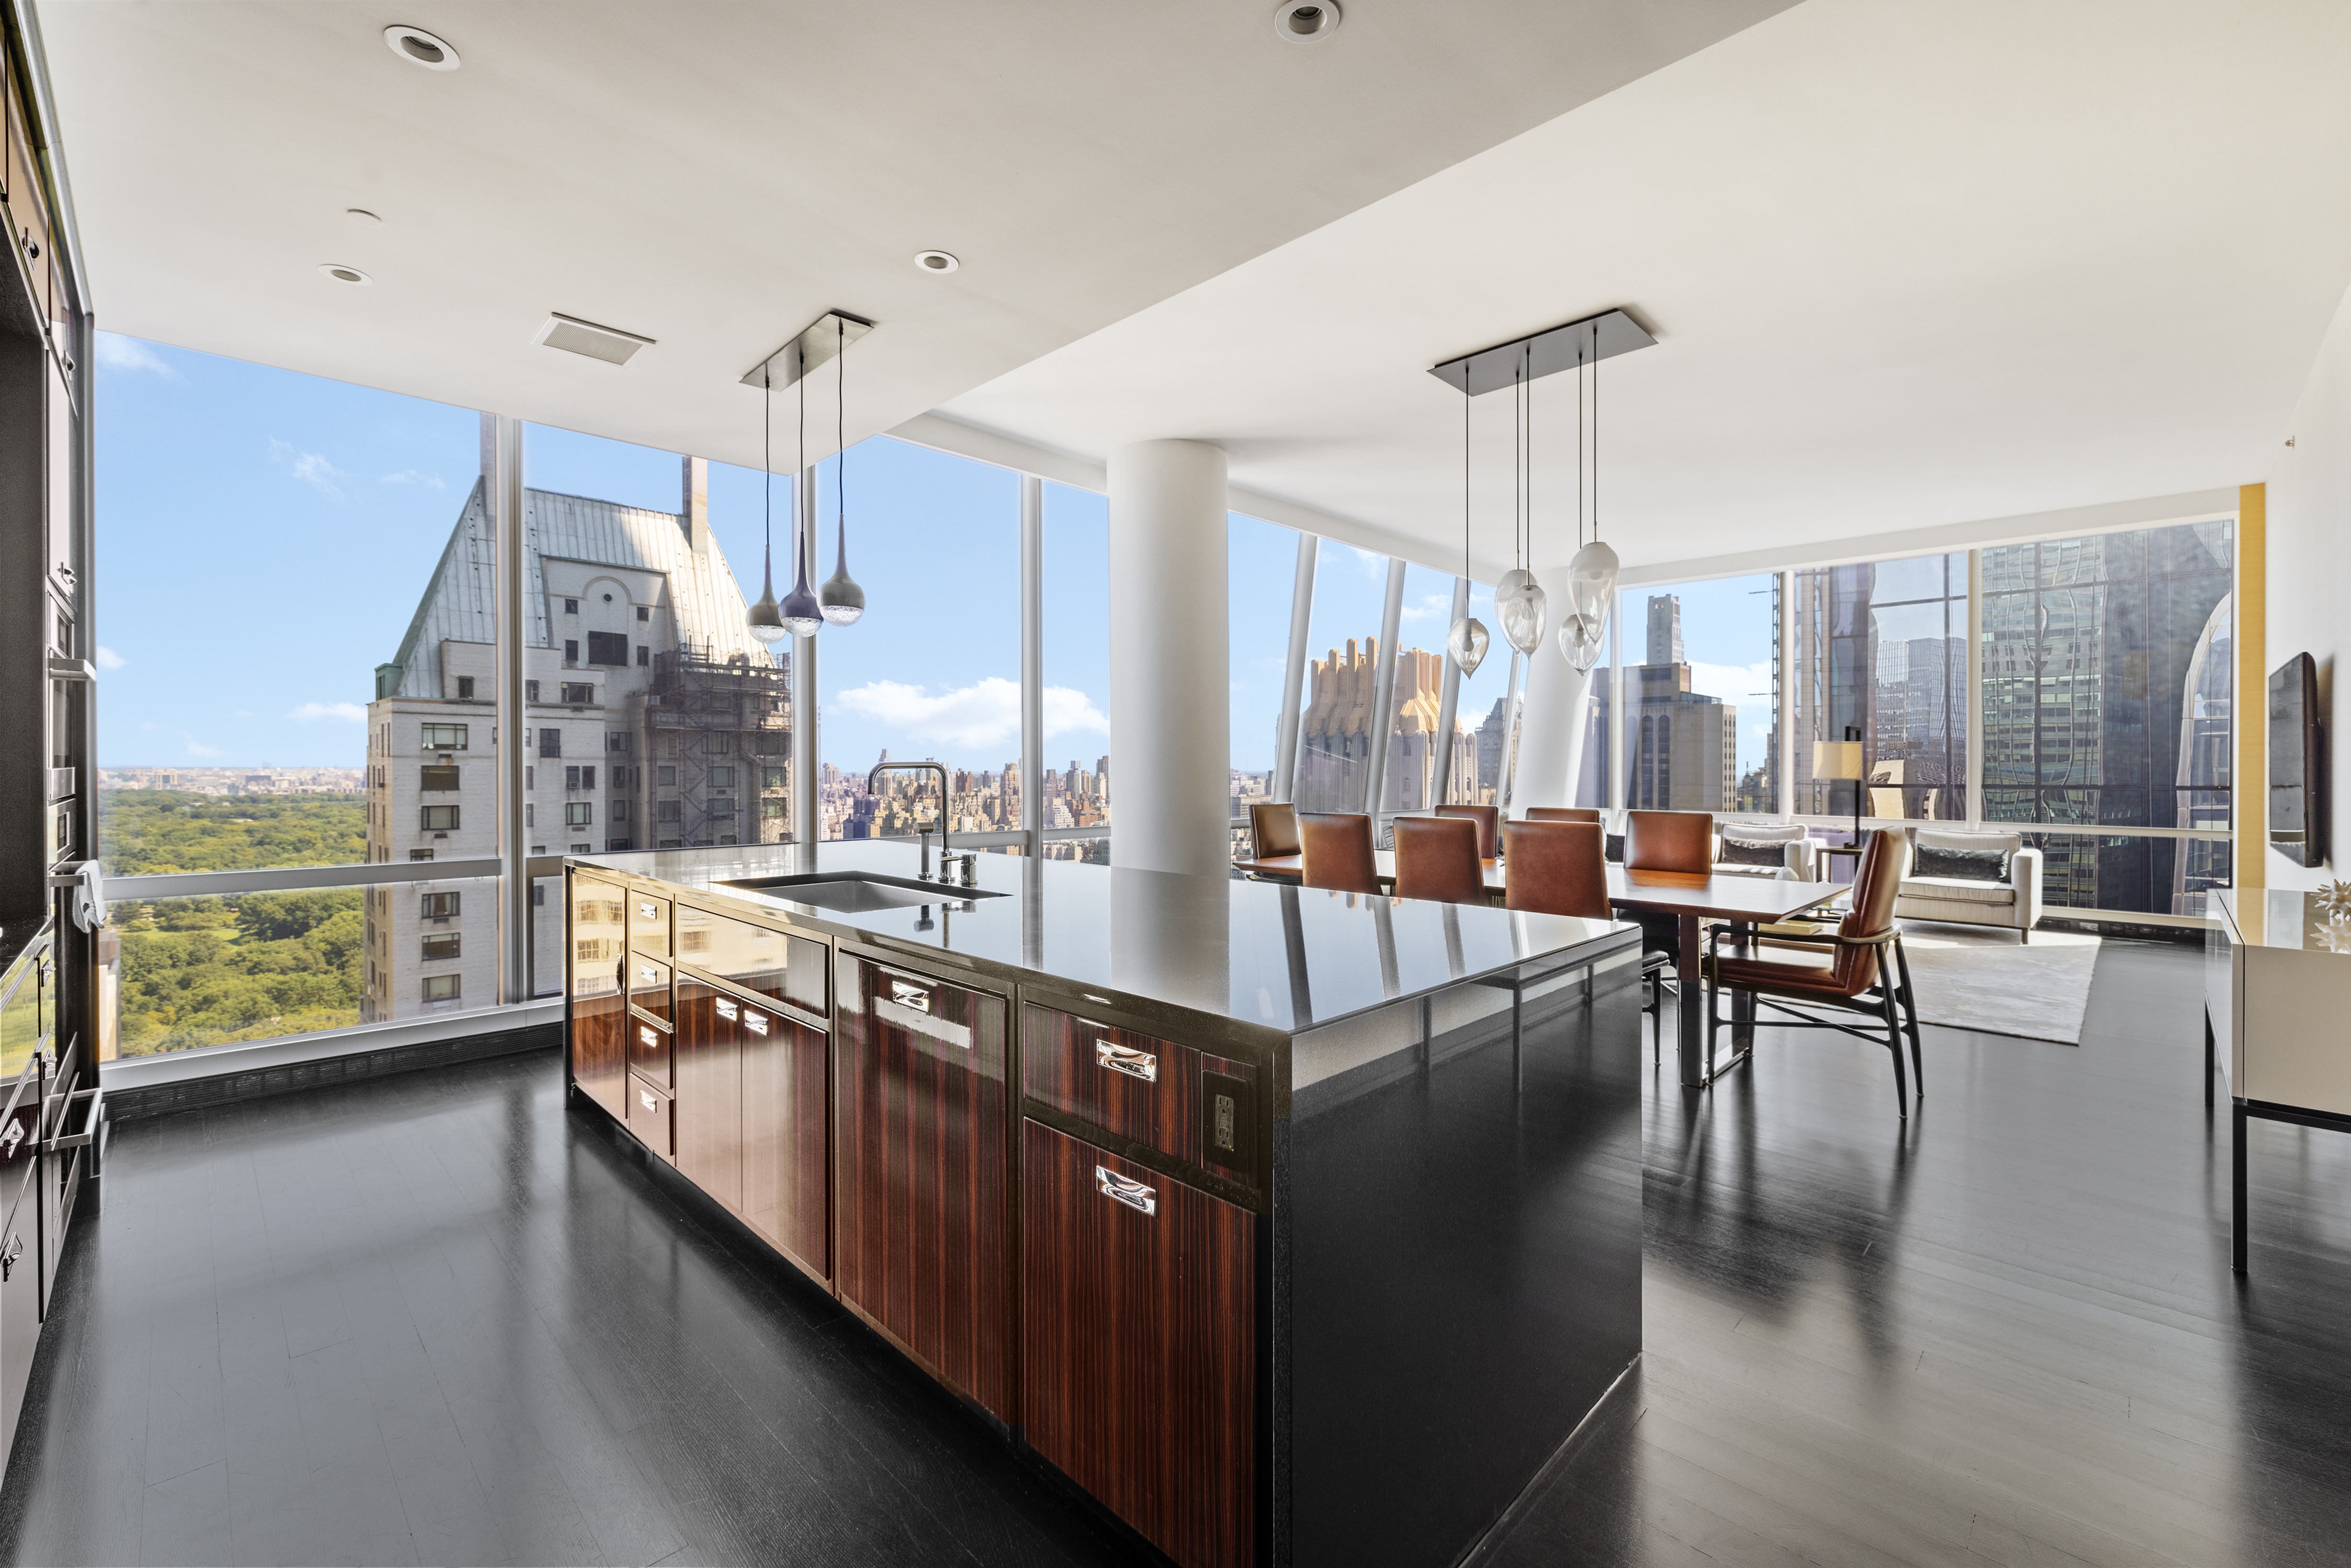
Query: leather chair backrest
pixel 1669 841
pixel 1337 846
pixel 1875 886
pixel 1273 828
pixel 1554 868
pixel 1564 814
pixel 1489 819
pixel 1437 858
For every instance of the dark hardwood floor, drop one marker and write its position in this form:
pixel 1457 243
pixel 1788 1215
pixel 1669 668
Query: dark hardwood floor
pixel 431 1318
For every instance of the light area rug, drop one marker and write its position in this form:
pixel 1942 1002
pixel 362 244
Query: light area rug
pixel 1975 979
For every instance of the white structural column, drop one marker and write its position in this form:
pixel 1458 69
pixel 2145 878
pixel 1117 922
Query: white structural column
pixel 1448 705
pixel 1293 679
pixel 1169 655
pixel 501 471
pixel 1033 662
pixel 1550 743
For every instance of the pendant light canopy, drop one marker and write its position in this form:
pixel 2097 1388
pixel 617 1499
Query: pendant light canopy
pixel 843 601
pixel 1467 641
pixel 800 613
pixel 766 622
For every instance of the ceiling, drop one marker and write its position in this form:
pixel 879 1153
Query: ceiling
pixel 1907 264
pixel 715 176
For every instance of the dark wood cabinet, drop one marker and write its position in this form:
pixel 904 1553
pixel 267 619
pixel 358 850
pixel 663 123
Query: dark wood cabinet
pixel 786 1145
pixel 922 1235
pixel 649 1118
pixel 649 1053
pixel 649 986
pixel 1138 1303
pixel 710 1113
pixel 600 1021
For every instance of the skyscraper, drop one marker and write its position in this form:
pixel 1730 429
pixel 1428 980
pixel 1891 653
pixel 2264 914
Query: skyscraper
pixel 1664 628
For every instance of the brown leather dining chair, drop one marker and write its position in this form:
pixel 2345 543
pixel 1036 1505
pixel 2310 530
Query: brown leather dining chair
pixel 1437 859
pixel 1564 814
pixel 1554 868
pixel 1273 828
pixel 1337 847
pixel 1865 972
pixel 1489 819
pixel 1666 840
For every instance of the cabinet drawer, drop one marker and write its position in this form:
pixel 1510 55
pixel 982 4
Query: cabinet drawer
pixel 1139 1352
pixel 649 987
pixel 922 1234
pixel 649 1052
pixel 754 957
pixel 649 923
pixel 649 1118
pixel 1187 1104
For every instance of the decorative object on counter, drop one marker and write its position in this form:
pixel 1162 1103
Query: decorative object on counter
pixel 2334 898
pixel 766 622
pixel 2336 935
pixel 843 602
pixel 1468 638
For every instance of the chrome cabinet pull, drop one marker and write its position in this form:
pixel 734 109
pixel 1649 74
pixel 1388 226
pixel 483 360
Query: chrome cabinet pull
pixel 756 1022
pixel 906 996
pixel 726 1009
pixel 8 1259
pixel 1122 1189
pixel 652 1040
pixel 1127 1060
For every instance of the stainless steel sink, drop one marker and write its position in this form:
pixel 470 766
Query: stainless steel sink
pixel 859 892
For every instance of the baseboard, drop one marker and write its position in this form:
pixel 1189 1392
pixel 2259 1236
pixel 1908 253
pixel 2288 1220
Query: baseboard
pixel 294 1077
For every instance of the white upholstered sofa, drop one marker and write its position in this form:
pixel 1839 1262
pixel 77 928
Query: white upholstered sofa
pixel 2013 904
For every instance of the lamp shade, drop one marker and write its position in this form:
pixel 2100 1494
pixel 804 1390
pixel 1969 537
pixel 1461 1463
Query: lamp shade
pixel 1836 760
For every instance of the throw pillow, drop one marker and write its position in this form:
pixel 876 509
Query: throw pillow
pixel 1752 852
pixel 1961 865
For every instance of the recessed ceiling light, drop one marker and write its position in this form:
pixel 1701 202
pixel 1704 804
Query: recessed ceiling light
pixel 936 261
pixel 362 214
pixel 1306 21
pixel 341 274
pixel 419 48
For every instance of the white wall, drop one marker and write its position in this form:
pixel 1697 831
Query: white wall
pixel 2309 571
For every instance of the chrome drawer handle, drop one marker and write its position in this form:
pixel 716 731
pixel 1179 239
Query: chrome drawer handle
pixel 8 1259
pixel 648 911
pixel 756 1022
pixel 652 1040
pixel 1127 1060
pixel 647 975
pixel 652 1105
pixel 725 1009
pixel 1122 1189
pixel 907 996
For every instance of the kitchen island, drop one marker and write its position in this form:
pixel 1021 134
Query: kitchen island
pixel 1290 1227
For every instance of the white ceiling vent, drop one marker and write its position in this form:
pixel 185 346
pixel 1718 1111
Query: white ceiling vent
pixel 574 335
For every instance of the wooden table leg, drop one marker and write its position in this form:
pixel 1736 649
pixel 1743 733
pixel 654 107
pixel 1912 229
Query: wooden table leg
pixel 1691 1015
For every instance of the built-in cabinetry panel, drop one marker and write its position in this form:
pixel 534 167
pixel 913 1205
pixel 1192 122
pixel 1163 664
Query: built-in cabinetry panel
pixel 1138 1307
pixel 598 1014
pixel 787 1186
pixel 710 1110
pixel 921 1235
pixel 1186 1103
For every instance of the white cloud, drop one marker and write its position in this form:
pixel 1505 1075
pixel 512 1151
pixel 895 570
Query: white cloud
pixel 981 716
pixel 413 476
pixel 1737 684
pixel 352 711
pixel 310 467
pixel 116 352
pixel 1434 607
pixel 198 749
pixel 108 659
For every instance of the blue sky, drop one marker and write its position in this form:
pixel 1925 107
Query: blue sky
pixel 301 519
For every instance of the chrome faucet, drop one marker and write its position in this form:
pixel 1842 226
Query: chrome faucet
pixel 940 768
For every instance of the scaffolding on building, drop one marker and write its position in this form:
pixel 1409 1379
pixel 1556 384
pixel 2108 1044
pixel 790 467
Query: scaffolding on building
pixel 724 724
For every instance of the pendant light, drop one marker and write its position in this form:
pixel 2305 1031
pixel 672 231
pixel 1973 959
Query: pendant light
pixel 1519 601
pixel 765 622
pixel 843 600
pixel 801 614
pixel 1591 575
pixel 1468 638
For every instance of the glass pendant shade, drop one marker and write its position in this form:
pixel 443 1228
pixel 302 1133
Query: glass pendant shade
pixel 765 622
pixel 1580 639
pixel 1592 582
pixel 843 600
pixel 1467 643
pixel 1520 605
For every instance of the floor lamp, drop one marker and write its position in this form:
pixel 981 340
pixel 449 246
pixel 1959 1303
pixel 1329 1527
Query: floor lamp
pixel 1835 759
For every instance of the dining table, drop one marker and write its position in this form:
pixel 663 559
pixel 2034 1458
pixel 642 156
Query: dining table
pixel 1693 898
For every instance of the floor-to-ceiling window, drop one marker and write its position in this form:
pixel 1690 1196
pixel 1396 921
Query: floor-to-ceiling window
pixel 1422 772
pixel 1261 560
pixel 1881 657
pixel 1698 731
pixel 1075 702
pixel 1336 723
pixel 2106 704
pixel 342 529
pixel 1485 704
